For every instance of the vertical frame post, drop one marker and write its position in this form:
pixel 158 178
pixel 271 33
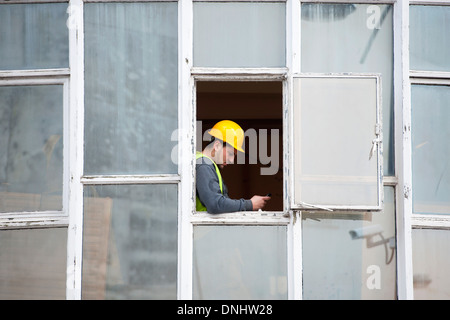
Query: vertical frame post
pixel 294 228
pixel 76 128
pixel 186 136
pixel 402 114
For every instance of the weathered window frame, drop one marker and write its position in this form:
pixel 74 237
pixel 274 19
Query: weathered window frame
pixel 42 218
pixel 425 77
pixel 376 151
pixel 430 221
pixel 401 181
pixel 186 148
pixel 77 178
pixel 265 218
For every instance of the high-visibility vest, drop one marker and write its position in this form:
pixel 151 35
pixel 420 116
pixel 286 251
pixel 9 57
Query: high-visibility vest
pixel 198 205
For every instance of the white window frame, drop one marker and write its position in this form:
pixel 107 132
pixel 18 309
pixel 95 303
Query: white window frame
pixel 189 218
pixel 77 179
pixel 376 145
pixel 402 137
pixel 36 77
pixel 430 221
pixel 420 77
pixel 425 77
pixel 266 218
pixel 186 191
pixel 401 181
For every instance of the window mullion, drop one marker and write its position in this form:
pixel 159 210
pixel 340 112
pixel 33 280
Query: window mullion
pixel 432 221
pixel 34 73
pixel 27 220
pixel 76 151
pixel 402 133
pixel 186 149
pixel 130 179
pixel 241 218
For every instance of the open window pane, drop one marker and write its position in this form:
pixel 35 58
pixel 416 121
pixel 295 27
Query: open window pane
pixel 357 38
pixel 337 157
pixel 31 144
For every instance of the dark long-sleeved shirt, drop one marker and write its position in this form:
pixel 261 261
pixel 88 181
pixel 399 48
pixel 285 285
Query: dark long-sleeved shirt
pixel 208 190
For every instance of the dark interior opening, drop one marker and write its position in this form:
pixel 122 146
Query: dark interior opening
pixel 257 106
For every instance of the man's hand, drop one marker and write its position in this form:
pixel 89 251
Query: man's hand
pixel 259 202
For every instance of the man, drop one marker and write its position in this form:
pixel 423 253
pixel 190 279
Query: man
pixel 212 193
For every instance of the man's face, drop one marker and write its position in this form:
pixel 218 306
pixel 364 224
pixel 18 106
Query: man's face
pixel 225 155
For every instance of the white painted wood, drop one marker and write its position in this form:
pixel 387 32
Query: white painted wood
pixel 72 213
pixel 242 74
pixel 30 1
pixel 390 181
pixel 432 75
pixel 347 1
pixel 402 111
pixel 130 179
pixel 41 218
pixel 294 255
pixel 186 151
pixel 239 1
pixel 187 148
pixel 430 2
pixel 241 218
pixel 76 128
pixel 430 81
pixel 66 148
pixel 377 147
pixel 294 227
pixel 131 1
pixel 34 73
pixel 431 221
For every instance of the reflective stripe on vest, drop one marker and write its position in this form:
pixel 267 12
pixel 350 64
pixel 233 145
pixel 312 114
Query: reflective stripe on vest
pixel 198 204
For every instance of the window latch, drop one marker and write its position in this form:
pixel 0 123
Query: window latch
pixel 375 143
pixel 304 204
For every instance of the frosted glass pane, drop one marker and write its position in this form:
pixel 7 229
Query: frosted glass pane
pixel 31 144
pixel 430 108
pixel 334 126
pixel 34 36
pixel 244 34
pixel 429 38
pixel 131 84
pixel 337 266
pixel 358 38
pixel 130 242
pixel 240 262
pixel 33 264
pixel 431 262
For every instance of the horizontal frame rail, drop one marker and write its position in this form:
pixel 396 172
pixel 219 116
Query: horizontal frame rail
pixel 130 179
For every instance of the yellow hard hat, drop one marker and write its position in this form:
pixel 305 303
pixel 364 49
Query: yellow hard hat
pixel 229 132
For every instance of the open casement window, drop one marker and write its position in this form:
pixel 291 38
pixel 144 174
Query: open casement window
pixel 337 142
